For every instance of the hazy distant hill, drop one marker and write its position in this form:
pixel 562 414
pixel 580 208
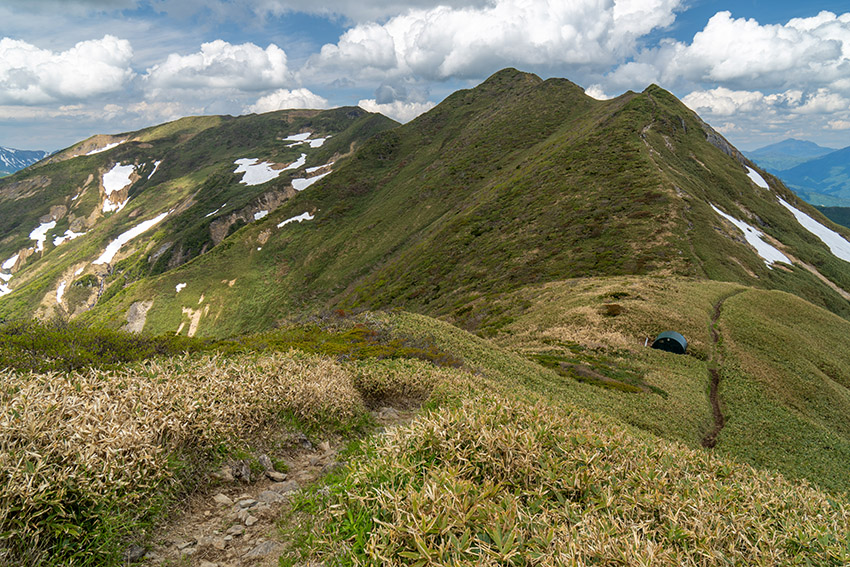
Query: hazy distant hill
pixel 12 160
pixel 824 180
pixel 786 154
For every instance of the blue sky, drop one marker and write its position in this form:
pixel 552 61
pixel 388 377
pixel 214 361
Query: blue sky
pixel 759 71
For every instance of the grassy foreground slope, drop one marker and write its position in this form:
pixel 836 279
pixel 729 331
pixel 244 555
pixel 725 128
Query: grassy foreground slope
pixel 519 474
pixel 784 385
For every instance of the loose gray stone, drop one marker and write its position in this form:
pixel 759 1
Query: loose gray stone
pixel 236 530
pixel 225 474
pixel 269 497
pixel 208 564
pixel 219 543
pixel 247 503
pixel 184 544
pixel 285 487
pixel 134 553
pixel 241 470
pixel 223 499
pixel 276 476
pixel 266 462
pixel 265 548
pixel 250 520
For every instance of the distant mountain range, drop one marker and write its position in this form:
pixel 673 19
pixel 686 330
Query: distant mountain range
pixel 12 160
pixel 819 175
pixel 787 154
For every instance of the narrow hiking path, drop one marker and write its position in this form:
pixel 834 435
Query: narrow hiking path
pixel 714 363
pixel 234 522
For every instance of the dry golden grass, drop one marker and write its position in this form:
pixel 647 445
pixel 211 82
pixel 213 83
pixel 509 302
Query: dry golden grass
pixel 495 481
pixel 72 445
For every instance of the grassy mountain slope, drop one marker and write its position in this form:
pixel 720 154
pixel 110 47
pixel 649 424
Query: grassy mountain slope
pixel 504 454
pixel 184 170
pixel 467 202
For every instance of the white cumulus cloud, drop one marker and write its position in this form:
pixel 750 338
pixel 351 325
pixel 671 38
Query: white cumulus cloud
pixel 742 53
pixel 221 65
pixel 282 99
pixel 471 42
pixel 30 75
pixel 397 110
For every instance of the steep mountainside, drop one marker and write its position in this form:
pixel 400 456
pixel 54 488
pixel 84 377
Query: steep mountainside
pixel 786 154
pixel 822 181
pixel 12 160
pixel 516 182
pixel 114 209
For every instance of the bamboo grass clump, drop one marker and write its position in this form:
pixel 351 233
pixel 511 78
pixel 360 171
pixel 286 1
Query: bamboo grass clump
pixel 74 445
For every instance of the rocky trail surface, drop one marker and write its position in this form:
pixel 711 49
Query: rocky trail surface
pixel 234 523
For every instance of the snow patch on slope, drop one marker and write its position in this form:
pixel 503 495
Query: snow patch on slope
pixel 39 234
pixel 106 147
pixel 768 253
pixel 60 292
pixel 256 173
pixel 837 244
pixel 756 178
pixel 297 163
pixel 69 235
pixel 299 218
pixel 259 215
pixel 114 246
pixel 10 263
pixel 155 167
pixel 302 183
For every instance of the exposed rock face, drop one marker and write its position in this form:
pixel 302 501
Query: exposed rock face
pixel 136 316
pixel 25 188
pixel 270 201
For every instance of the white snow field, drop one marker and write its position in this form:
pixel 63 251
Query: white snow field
pixel 837 244
pixel 155 167
pixel 299 218
pixel 106 147
pixel 114 180
pixel 69 235
pixel 756 178
pixel 302 183
pixel 302 137
pixel 297 163
pixel 39 234
pixel 114 246
pixel 179 287
pixel 117 178
pixel 768 253
pixel 10 263
pixel 318 167
pixel 255 173
pixel 260 214
pixel 60 292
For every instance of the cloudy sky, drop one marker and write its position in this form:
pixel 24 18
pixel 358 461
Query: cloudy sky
pixel 758 70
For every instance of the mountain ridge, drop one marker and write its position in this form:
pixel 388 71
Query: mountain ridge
pixel 518 247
